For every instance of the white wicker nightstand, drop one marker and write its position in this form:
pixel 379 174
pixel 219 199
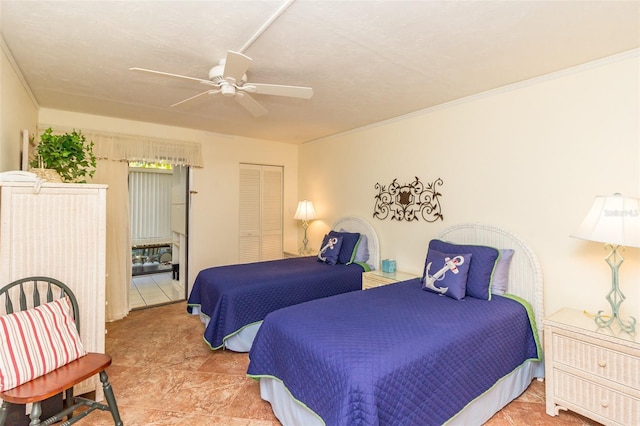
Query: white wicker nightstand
pixel 594 372
pixel 378 278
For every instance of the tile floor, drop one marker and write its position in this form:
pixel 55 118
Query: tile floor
pixel 154 289
pixel 164 374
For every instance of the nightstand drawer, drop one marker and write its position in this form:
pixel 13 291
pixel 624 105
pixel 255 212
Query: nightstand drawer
pixel 591 370
pixel 600 402
pixel 595 359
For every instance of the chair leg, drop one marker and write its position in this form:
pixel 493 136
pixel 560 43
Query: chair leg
pixel 4 410
pixel 36 411
pixel 68 401
pixel 110 397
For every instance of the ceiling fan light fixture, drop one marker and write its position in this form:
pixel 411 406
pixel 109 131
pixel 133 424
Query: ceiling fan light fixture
pixel 215 74
pixel 228 90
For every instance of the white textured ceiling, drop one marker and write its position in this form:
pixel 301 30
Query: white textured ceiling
pixel 367 61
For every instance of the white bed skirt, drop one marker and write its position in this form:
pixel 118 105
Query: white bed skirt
pixel 291 412
pixel 239 342
pixel 243 339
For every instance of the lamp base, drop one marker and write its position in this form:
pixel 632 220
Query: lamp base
pixel 606 321
pixel 615 296
pixel 304 250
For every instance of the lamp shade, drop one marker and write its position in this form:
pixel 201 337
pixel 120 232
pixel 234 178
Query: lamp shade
pixel 613 220
pixel 305 211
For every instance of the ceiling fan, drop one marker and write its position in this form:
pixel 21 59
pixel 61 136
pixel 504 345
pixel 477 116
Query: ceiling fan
pixel 229 79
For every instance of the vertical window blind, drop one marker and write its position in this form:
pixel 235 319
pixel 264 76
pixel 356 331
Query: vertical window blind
pixel 150 206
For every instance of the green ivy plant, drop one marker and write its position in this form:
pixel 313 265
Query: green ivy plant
pixel 69 154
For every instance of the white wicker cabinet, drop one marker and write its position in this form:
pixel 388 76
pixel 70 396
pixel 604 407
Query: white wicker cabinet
pixel 60 232
pixel 378 278
pixel 594 372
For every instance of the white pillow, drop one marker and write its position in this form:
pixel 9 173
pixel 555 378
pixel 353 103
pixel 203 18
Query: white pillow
pixel 500 281
pixel 362 252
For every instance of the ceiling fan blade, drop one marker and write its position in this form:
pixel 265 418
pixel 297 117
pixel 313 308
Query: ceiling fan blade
pixel 236 66
pixel 208 92
pixel 250 104
pixel 168 74
pixel 279 90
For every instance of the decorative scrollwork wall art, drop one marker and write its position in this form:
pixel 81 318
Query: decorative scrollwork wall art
pixel 409 201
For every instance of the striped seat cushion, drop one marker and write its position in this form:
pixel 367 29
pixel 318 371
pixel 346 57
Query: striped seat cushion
pixel 37 341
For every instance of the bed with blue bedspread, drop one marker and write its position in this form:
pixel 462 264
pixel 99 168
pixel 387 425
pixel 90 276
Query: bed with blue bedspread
pixel 407 354
pixel 233 300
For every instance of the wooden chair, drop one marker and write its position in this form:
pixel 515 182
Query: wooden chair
pixel 64 378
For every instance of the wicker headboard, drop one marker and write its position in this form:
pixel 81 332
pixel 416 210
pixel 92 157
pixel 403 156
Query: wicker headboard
pixel 525 275
pixel 356 224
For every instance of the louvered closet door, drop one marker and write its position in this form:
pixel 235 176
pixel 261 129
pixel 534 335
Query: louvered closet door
pixel 271 213
pixel 249 213
pixel 260 213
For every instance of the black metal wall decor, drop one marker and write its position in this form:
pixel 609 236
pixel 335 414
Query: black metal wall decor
pixel 408 201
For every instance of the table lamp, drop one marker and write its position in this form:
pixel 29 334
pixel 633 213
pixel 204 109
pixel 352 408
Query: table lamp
pixel 305 212
pixel 615 221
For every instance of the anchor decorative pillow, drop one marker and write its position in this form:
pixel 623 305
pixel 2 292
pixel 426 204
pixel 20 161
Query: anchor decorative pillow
pixel 330 249
pixel 446 274
pixel 480 270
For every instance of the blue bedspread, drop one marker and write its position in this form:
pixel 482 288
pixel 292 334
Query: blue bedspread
pixel 235 296
pixel 392 355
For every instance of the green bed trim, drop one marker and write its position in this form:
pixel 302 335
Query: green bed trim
pixel 364 266
pixel 266 376
pixel 532 321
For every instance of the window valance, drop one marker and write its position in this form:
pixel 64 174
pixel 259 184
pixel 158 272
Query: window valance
pixel 125 147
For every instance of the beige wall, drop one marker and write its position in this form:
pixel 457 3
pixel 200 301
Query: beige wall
pixel 18 111
pixel 214 210
pixel 529 158
pixel 215 207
